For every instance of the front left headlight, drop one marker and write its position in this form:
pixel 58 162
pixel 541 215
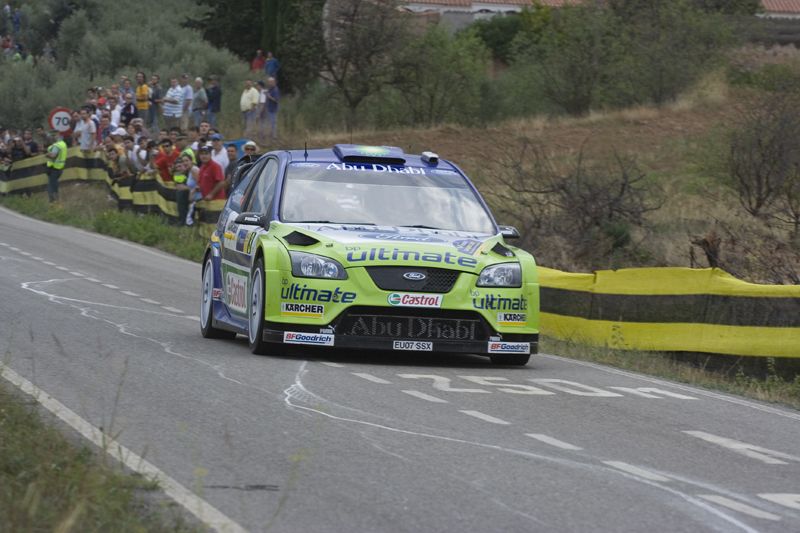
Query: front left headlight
pixel 315 266
pixel 502 275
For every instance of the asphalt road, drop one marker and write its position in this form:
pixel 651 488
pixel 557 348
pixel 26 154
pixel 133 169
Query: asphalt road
pixel 347 442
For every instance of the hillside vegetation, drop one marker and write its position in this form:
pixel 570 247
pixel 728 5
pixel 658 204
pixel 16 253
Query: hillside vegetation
pixel 643 133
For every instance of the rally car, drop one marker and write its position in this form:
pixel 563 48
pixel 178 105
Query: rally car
pixel 367 247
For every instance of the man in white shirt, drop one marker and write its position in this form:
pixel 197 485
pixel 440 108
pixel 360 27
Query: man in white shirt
pixel 248 104
pixel 173 104
pixel 218 151
pixel 188 95
pixel 86 131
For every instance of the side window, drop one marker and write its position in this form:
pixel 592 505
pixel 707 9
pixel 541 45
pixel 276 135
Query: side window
pixel 264 190
pixel 238 194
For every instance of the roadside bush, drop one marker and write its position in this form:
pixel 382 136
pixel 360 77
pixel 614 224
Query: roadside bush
pixel 575 213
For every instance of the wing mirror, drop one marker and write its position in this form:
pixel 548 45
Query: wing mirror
pixel 252 219
pixel 509 232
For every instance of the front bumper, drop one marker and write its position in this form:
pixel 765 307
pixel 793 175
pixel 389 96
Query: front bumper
pixel 275 332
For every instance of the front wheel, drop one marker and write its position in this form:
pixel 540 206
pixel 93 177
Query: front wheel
pixel 207 306
pixel 510 359
pixel 255 311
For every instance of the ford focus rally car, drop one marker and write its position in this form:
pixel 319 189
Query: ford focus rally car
pixel 371 248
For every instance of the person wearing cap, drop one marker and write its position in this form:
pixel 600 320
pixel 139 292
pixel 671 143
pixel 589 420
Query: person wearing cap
pixel 199 102
pixel 250 148
pixel 56 160
pixel 211 179
pixel 188 96
pixel 218 152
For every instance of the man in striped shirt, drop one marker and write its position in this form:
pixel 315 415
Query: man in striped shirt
pixel 173 104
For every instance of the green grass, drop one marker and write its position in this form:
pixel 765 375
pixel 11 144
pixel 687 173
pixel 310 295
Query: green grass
pixel 765 379
pixel 49 484
pixel 87 206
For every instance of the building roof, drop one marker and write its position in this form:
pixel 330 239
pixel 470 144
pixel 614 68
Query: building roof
pixel 770 6
pixel 781 6
pixel 470 3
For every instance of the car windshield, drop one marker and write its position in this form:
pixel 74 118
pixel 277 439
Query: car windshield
pixel 384 195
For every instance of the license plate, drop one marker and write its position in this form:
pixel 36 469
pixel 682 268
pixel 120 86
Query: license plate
pixel 417 346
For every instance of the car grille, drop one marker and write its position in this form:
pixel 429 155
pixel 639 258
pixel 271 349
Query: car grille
pixel 421 324
pixel 439 280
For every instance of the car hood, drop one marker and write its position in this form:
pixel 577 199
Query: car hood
pixel 354 245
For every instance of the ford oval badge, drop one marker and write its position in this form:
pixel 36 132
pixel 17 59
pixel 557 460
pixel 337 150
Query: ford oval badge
pixel 414 276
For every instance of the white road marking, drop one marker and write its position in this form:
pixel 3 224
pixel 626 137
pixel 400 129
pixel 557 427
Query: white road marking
pixel 14 248
pixel 334 365
pixel 652 392
pixel 109 286
pixel 171 309
pixel 25 253
pixel 423 396
pixel 370 377
pixel 485 417
pixel 3 244
pixel 62 268
pixel 792 501
pixel 765 455
pixel 636 471
pixel 129 293
pixel 694 390
pixel 577 389
pixel 37 258
pixel 200 508
pixel 49 263
pixel 194 318
pixel 441 383
pixel 78 274
pixel 149 301
pixel 739 506
pixel 511 388
pixel 553 442
pixel 290 394
pixel 93 280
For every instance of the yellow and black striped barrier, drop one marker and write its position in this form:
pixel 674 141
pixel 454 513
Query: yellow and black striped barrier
pixel 146 192
pixel 671 309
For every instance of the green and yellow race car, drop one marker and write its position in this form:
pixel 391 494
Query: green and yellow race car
pixel 367 247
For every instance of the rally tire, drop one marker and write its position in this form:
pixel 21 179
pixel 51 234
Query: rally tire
pixel 255 310
pixel 510 359
pixel 207 305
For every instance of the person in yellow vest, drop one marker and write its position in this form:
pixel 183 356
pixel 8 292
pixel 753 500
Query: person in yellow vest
pixel 56 160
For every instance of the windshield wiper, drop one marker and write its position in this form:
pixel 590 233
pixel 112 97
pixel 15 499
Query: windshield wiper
pixel 421 226
pixel 332 222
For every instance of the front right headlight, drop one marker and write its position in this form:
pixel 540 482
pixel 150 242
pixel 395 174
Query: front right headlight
pixel 306 265
pixel 502 275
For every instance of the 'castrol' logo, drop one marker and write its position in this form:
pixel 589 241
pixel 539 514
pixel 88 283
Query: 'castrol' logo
pixel 400 299
pixel 236 292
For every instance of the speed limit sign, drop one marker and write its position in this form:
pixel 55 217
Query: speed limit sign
pixel 60 119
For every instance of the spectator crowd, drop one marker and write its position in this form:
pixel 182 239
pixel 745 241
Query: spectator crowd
pixel 139 126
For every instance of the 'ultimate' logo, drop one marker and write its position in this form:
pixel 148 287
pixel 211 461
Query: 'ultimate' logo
pixel 493 302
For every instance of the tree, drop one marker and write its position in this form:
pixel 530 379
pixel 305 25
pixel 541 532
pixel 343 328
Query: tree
pixel 440 76
pixel 764 154
pixel 571 56
pixel 667 46
pixel 362 38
